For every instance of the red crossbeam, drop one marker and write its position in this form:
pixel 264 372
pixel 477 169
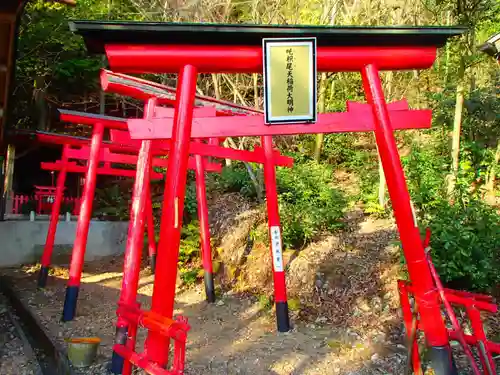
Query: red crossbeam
pixel 474 303
pixel 91 119
pixel 212 149
pixel 111 122
pixel 140 360
pixel 106 170
pixel 142 89
pixel 248 59
pixel 121 142
pixel 468 299
pixel 247 126
pixel 110 157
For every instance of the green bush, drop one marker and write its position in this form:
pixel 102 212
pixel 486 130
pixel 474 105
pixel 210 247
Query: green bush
pixel 465 243
pixel 426 168
pixel 235 178
pixel 190 242
pixel 113 202
pixel 190 201
pixel 309 204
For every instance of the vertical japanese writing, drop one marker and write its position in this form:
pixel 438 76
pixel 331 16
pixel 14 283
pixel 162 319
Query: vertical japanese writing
pixel 289 79
pixel 276 249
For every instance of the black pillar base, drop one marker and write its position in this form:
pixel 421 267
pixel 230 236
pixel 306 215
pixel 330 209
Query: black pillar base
pixel 69 309
pixel 209 287
pixel 42 276
pixel 441 359
pixel 116 366
pixel 152 263
pixel 282 318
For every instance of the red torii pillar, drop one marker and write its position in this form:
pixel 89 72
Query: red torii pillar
pixel 54 218
pixel 79 249
pixel 353 120
pixel 144 90
pixel 341 49
pixel 64 166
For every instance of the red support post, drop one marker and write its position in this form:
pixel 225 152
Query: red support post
pixel 173 206
pixel 151 231
pixel 206 249
pixel 426 295
pixel 82 229
pixel 275 239
pixel 133 250
pixel 54 218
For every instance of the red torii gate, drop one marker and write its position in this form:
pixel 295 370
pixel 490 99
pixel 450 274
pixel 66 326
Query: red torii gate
pixel 107 157
pixel 197 163
pixel 189 49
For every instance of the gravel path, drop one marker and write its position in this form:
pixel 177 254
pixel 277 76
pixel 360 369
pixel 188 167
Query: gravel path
pixel 16 356
pixel 351 324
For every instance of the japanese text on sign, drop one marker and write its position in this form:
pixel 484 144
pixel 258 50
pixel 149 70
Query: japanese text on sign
pixel 289 80
pixel 276 248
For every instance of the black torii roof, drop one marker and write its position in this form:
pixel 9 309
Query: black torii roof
pixel 99 33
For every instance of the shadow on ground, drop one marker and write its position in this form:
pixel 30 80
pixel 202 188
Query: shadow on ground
pixel 237 335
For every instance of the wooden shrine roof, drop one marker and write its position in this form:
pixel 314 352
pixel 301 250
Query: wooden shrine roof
pixel 99 33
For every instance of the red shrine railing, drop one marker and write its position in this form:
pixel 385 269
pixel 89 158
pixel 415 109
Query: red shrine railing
pixel 43 205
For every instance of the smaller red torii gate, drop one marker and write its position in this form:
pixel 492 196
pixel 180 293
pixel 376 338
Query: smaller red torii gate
pixel 197 163
pixel 107 157
pixel 145 90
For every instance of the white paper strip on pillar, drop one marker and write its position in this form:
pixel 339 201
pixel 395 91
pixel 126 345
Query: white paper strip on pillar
pixel 276 248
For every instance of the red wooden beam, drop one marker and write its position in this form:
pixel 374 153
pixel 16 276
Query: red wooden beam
pixel 142 89
pixel 247 126
pixel 248 59
pixel 111 157
pixel 106 170
pixel 91 119
pixel 125 144
pixel 213 149
pixel 120 123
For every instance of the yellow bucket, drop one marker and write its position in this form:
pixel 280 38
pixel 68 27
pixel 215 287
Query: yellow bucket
pixel 82 351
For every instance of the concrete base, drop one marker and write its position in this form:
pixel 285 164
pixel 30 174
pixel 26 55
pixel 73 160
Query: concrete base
pixel 22 242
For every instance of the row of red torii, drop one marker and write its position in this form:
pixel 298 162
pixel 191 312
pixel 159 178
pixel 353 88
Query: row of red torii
pixel 196 126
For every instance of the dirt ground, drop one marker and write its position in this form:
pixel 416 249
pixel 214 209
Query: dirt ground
pixel 350 325
pixel 234 336
pixel 16 357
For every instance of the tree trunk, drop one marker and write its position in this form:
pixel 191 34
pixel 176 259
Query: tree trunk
pixel 256 91
pixel 490 182
pixel 102 98
pixel 8 177
pixel 321 109
pixel 40 103
pixel 455 143
pixel 215 81
pixel 2 181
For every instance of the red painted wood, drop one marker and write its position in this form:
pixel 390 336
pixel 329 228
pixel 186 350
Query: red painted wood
pixel 56 208
pixel 83 118
pixel 213 149
pixel 110 157
pixel 107 171
pixel 172 212
pixel 161 148
pixel 244 59
pixel 247 126
pixel 122 84
pixel 416 259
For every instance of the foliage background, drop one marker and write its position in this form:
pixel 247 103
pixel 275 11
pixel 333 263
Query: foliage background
pixel 451 168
